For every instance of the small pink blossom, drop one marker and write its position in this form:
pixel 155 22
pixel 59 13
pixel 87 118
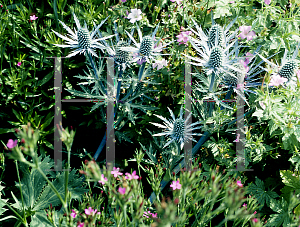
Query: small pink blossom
pixel 183 37
pixel 178 1
pixel 154 215
pixel 245 205
pixel 159 64
pixel 175 185
pixel 245 33
pixel 263 106
pixel 122 190
pixel 239 183
pixel 132 176
pixel 255 220
pixel 267 2
pixel 231 2
pixel 103 179
pixel 141 61
pixel 123 0
pixel 33 17
pixel 254 212
pixel 240 86
pixel 247 60
pixel 277 80
pixel 80 224
pixel 73 214
pixel 116 172
pixel 146 213
pixel 90 211
pixel 19 64
pixel 11 144
pixel 238 138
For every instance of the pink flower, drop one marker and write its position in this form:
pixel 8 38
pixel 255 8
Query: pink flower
pixel 11 144
pixel 183 37
pixel 263 106
pixel 123 0
pixel 146 213
pixel 254 212
pixel 238 138
pixel 298 74
pixel 255 220
pixel 80 224
pixel 73 214
pixel 178 1
pixel 122 190
pixel 33 17
pixel 154 215
pixel 239 183
pixel 245 205
pixel 116 172
pixel 267 2
pixel 247 60
pixel 133 176
pixel 231 2
pixel 90 211
pixel 19 64
pixel 159 64
pixel 277 80
pixel 175 185
pixel 245 33
pixel 103 179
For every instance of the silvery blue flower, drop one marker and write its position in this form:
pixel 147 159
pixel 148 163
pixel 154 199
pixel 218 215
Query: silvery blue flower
pixel 146 48
pixel 288 67
pixel 177 129
pixel 114 50
pixel 81 40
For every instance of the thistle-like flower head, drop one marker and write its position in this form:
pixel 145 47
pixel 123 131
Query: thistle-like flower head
pixel 146 49
pixel 288 66
pixel 177 129
pixel 81 40
pixel 216 36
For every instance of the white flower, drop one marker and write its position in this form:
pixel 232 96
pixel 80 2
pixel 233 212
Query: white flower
pixel 135 15
pixel 81 39
pixel 177 129
pixel 159 64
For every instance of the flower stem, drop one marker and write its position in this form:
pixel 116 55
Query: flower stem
pixel 95 72
pixel 228 95
pixel 103 142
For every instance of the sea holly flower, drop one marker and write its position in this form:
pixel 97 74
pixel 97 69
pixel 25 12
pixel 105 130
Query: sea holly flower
pixel 175 185
pixel 217 35
pixel 135 15
pixel 103 179
pixel 116 172
pixel 121 57
pixel 33 17
pixel 245 33
pixel 177 129
pixel 287 69
pixel 146 48
pixel 82 40
pixel 11 144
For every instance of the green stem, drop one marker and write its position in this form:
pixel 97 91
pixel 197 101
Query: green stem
pixel 95 71
pixel 16 162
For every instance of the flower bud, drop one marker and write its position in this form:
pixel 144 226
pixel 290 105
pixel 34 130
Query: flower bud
pixel 176 201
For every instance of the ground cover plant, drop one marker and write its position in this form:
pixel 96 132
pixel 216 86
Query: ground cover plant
pixel 133 57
